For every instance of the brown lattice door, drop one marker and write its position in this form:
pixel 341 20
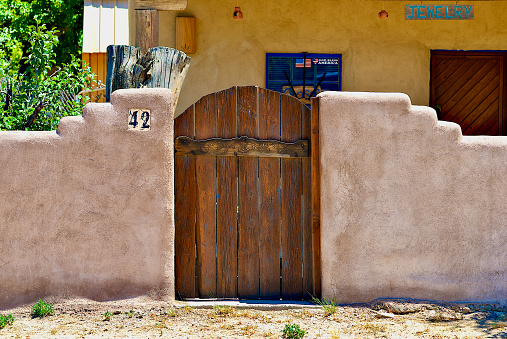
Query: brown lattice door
pixel 468 88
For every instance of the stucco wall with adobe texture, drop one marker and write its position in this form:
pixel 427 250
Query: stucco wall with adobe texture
pixel 89 211
pixel 409 207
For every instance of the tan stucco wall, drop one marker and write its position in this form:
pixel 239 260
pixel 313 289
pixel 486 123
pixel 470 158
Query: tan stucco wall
pixel 89 211
pixel 409 207
pixel 391 55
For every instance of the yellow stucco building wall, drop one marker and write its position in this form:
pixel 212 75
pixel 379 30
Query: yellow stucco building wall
pixel 391 55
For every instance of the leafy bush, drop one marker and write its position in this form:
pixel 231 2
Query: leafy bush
pixel 40 96
pixel 42 309
pixel 17 15
pixel 6 320
pixel 293 331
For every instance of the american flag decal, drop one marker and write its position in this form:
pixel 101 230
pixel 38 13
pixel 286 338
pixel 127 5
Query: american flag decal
pixel 306 64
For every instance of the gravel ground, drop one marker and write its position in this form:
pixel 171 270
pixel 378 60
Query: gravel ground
pixel 146 318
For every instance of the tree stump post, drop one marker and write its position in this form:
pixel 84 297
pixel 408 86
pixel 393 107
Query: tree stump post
pixel 160 67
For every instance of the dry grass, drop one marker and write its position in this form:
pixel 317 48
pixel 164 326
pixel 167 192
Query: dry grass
pixel 155 320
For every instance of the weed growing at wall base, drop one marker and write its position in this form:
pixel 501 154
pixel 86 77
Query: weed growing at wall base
pixel 6 320
pixel 42 309
pixel 329 307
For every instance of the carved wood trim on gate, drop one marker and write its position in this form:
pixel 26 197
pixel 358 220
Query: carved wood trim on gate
pixel 241 147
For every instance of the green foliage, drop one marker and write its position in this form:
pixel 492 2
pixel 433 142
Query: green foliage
pixel 293 331
pixel 17 15
pixel 329 307
pixel 107 315
pixel 44 93
pixel 6 320
pixel 42 309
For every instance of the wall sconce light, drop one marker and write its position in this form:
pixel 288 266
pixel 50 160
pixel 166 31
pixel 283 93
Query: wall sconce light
pixel 237 13
pixel 383 14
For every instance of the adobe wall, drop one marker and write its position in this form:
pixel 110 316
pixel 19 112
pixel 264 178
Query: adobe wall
pixel 89 211
pixel 409 208
pixel 391 55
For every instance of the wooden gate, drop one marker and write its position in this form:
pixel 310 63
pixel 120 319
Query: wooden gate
pixel 243 207
pixel 468 88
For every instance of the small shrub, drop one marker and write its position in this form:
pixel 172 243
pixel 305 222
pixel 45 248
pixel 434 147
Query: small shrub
pixel 293 331
pixel 107 315
pixel 42 309
pixel 6 320
pixel 172 313
pixel 329 307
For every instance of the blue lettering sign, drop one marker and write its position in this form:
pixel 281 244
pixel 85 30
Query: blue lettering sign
pixel 457 11
pixel 437 12
pixel 468 9
pixel 420 13
pixel 431 11
pixel 446 11
pixel 412 8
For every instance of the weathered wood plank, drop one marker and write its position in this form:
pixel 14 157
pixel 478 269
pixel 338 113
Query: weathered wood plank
pixel 306 164
pixel 160 67
pixel 120 67
pixel 185 34
pixel 292 242
pixel 184 206
pixel 163 5
pixel 169 69
pixel 146 29
pixel 270 198
pixel 227 174
pixel 248 252
pixel 315 156
pixel 205 127
pixel 241 147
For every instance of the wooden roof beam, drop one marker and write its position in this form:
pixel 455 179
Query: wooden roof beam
pixel 162 5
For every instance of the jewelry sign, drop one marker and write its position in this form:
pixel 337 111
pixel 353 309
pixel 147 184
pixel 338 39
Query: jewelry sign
pixel 439 12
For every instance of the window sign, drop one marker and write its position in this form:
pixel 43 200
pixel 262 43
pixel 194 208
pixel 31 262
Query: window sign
pixel 303 75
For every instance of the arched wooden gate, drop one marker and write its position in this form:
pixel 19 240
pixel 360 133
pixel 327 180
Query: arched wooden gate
pixel 243 207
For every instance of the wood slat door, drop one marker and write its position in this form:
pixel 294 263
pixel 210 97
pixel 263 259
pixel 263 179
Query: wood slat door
pixel 468 88
pixel 243 223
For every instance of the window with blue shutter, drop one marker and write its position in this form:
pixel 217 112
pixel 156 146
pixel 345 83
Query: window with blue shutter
pixel 290 73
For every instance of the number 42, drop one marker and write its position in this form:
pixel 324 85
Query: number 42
pixel 139 119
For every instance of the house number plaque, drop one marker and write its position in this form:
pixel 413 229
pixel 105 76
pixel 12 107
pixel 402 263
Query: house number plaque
pixel 139 119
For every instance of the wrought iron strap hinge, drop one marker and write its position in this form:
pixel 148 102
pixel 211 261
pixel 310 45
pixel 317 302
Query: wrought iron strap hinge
pixel 241 147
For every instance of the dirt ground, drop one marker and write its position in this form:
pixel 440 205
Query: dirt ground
pixel 146 318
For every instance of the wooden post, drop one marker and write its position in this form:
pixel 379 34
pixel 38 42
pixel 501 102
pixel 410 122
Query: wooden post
pixel 159 67
pixel 146 29
pixel 120 67
pixel 315 156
